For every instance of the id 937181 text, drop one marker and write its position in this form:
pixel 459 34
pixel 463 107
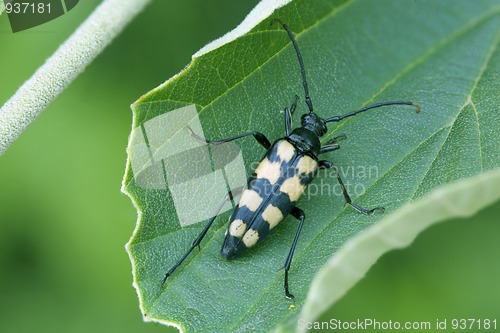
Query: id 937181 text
pixel 26 8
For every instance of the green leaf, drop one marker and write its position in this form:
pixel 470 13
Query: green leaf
pixel 350 263
pixel 443 55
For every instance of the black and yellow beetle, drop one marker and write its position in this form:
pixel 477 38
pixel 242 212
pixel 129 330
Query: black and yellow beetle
pixel 280 179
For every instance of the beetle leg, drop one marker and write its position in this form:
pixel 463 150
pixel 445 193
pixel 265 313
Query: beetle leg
pixel 261 138
pixel 328 148
pixel 329 165
pixel 331 144
pixel 335 139
pixel 298 214
pixel 288 116
pixel 198 239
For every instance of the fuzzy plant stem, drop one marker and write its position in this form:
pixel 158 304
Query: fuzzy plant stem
pixel 104 24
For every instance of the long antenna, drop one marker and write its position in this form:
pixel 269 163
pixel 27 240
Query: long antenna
pixel 373 106
pixel 301 62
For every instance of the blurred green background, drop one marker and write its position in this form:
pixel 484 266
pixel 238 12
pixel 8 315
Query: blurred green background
pixel 64 222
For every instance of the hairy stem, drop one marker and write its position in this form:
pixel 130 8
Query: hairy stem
pixel 64 66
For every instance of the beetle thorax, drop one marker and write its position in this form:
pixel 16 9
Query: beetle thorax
pixel 305 140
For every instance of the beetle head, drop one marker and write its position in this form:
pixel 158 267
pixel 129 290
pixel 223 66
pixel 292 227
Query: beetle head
pixel 314 123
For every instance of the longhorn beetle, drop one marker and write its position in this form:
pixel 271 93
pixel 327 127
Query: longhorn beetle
pixel 281 177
